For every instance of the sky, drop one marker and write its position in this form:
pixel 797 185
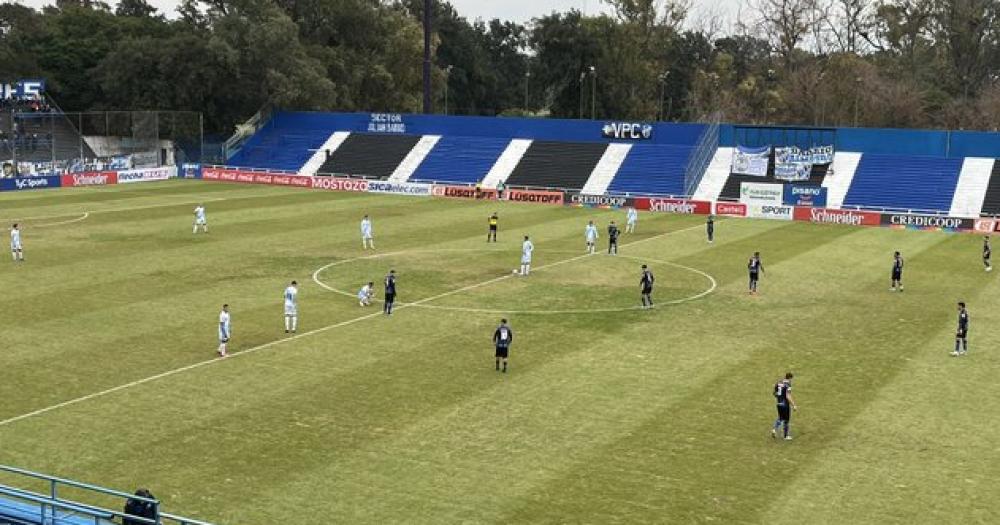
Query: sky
pixel 517 10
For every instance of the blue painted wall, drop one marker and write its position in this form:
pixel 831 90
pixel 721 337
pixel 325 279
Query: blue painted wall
pixel 527 128
pixel 912 142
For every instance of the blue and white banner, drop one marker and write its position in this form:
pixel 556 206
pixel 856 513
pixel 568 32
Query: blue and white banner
pixel 190 171
pixel 23 89
pixel 805 195
pixel 791 163
pixel 751 161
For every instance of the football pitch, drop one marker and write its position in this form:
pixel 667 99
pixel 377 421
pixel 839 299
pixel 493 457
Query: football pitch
pixel 607 414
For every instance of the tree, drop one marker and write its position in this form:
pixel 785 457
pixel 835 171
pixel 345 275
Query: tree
pixel 137 8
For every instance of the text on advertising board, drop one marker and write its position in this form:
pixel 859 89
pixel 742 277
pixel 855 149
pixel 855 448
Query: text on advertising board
pixel 829 216
pixel 627 131
pixel 339 184
pixel 399 188
pixel 680 206
pixel 926 221
pixel 30 183
pixel 90 178
pixel 769 211
pixel 733 209
pixel 540 197
pixel 597 201
pixel 984 225
pixel 463 192
pixel 757 193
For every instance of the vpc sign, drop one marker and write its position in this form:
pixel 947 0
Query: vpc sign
pixel 627 131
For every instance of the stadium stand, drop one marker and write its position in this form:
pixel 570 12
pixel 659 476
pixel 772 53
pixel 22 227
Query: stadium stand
pixel 971 188
pixel 731 190
pixel 991 204
pixel 464 160
pixel 903 182
pixel 369 155
pixel 565 165
pixel 654 169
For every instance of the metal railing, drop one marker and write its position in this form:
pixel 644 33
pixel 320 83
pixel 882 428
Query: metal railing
pixel 702 156
pixel 246 130
pixel 49 504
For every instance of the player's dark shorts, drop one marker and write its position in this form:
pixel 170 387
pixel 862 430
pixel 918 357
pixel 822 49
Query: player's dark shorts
pixel 784 412
pixel 646 290
pixel 493 227
pixel 962 334
pixel 502 351
pixel 754 276
pixel 390 297
pixel 896 276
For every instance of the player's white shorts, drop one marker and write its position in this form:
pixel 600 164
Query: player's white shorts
pixel 200 222
pixel 15 246
pixel 591 241
pixel 291 309
pixel 525 259
pixel 366 236
pixel 631 222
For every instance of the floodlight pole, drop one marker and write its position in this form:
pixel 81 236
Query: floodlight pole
pixel 427 57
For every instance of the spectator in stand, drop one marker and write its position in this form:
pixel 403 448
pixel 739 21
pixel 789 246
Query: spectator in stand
pixel 142 509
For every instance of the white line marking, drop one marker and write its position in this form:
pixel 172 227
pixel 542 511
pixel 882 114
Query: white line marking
pixel 712 286
pixel 60 223
pixel 276 342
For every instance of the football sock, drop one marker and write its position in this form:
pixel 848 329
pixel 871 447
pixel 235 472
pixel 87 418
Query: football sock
pixel 505 366
pixel 957 345
pixel 786 428
pixel 295 323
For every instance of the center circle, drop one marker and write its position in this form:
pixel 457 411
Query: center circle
pixel 425 303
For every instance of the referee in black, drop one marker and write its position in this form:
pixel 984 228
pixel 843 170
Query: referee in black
pixel 646 283
pixel 502 338
pixel 390 292
pixel 613 238
pixel 710 228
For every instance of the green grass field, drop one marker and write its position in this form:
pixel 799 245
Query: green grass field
pixel 616 416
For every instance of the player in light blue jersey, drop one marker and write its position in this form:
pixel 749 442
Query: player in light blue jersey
pixel 366 293
pixel 292 307
pixel 367 239
pixel 590 233
pixel 225 330
pixel 526 250
pixel 631 217
pixel 199 219
pixel 15 244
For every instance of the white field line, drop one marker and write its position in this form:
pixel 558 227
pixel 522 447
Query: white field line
pixel 271 344
pixel 59 223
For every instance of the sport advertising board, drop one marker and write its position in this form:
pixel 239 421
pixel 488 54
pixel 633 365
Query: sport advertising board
pixel 762 194
pixel 770 211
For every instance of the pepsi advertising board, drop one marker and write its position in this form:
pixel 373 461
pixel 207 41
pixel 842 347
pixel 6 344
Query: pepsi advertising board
pixel 805 195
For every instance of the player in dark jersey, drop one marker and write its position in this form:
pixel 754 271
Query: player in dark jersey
pixel 755 267
pixel 962 334
pixel 646 284
pixel 710 228
pixel 897 273
pixel 987 252
pixel 493 222
pixel 390 292
pixel 613 239
pixel 502 338
pixel 785 404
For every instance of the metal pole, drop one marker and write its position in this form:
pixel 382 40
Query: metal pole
pixel 52 150
pixel 156 141
pixel 583 77
pixel 446 79
pixel 527 75
pixel 670 106
pixel 662 89
pixel 427 57
pixel 80 132
pixel 201 137
pixel 857 84
pixel 593 94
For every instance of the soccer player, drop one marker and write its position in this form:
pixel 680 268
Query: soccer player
pixel 961 336
pixel 493 221
pixel 366 233
pixel 292 307
pixel 646 283
pixel 710 228
pixel 631 216
pixel 199 219
pixel 390 292
pixel 365 294
pixel 526 250
pixel 502 338
pixel 783 397
pixel 15 243
pixel 897 273
pixel 987 252
pixel 225 331
pixel 613 238
pixel 590 233
pixel 755 267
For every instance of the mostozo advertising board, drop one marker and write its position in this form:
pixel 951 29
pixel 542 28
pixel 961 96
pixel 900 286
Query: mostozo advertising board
pixel 145 175
pixel 575 198
pixel 770 211
pixel 805 195
pixel 762 194
pixel 399 188
pixel 339 184
pixel 926 221
pixel 30 183
pixel 847 217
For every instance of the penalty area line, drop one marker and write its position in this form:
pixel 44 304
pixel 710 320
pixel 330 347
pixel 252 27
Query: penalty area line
pixel 276 342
